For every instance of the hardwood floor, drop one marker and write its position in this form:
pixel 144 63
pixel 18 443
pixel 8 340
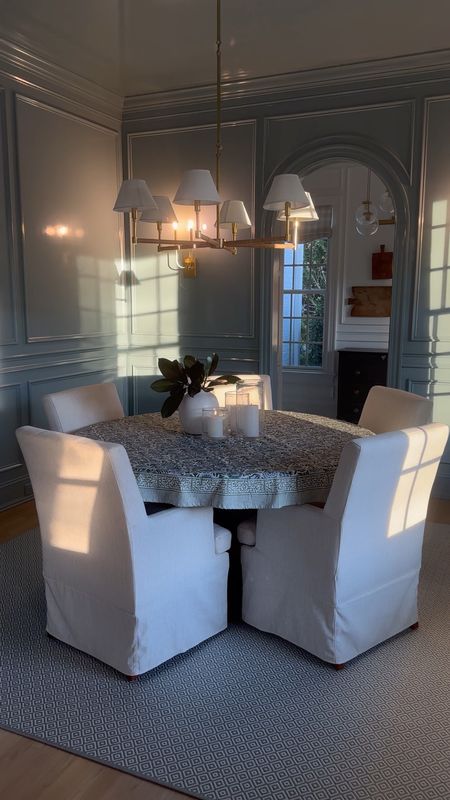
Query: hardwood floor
pixel 30 770
pixel 17 519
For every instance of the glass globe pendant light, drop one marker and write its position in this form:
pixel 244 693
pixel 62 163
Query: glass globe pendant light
pixel 365 217
pixel 385 204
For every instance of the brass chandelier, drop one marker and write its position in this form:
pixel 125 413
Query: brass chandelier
pixel 198 189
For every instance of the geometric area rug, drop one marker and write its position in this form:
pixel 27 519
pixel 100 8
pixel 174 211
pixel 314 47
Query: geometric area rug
pixel 245 715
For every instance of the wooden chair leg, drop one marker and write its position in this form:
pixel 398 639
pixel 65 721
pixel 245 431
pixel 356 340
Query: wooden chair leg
pixel 132 677
pixel 339 666
pixel 414 626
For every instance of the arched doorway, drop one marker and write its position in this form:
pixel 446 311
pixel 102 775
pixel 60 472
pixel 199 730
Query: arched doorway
pixel 336 174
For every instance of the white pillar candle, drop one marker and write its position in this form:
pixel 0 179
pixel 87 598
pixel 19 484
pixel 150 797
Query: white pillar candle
pixel 214 427
pixel 248 420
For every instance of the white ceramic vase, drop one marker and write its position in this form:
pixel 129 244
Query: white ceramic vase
pixel 190 410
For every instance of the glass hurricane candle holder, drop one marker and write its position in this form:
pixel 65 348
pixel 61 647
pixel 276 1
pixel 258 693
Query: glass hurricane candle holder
pixel 231 406
pixel 250 407
pixel 215 423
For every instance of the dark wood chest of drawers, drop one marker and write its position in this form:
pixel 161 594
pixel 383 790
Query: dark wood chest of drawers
pixel 358 371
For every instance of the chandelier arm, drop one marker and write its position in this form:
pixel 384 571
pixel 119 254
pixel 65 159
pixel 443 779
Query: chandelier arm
pixel 182 246
pixel 175 243
pixel 209 242
pixel 272 243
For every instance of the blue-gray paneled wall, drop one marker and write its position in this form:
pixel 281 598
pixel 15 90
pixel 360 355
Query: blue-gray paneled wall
pixel 62 317
pixel 394 119
pixel 66 317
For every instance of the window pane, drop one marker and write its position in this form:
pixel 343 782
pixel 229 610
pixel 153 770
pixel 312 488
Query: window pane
pixel 319 251
pixel 314 356
pixel 288 278
pixel 313 305
pixel 315 330
pixel 304 330
pixel 317 276
pixel 288 256
pixel 304 282
pixel 302 360
pixel 298 278
pixel 299 254
pixel 297 304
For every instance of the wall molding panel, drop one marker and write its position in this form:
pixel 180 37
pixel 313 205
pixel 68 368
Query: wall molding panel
pixel 71 131
pixel 10 459
pixel 69 321
pixel 61 134
pixel 225 288
pixel 7 272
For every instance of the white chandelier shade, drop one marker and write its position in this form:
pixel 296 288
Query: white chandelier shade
pixel 303 214
pixel 286 188
pixel 197 186
pixel 163 212
pixel 234 213
pixel 134 194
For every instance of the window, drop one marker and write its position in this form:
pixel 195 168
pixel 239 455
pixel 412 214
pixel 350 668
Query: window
pixel 304 296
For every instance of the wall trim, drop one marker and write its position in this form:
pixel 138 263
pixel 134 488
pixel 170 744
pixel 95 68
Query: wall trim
pixel 18 393
pixel 46 365
pixel 9 246
pixel 423 65
pixel 414 336
pixel 19 65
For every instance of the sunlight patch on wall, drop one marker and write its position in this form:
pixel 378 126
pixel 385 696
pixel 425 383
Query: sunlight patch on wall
pixel 96 295
pixel 155 299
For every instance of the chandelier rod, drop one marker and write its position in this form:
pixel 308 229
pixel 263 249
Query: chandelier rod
pixel 218 107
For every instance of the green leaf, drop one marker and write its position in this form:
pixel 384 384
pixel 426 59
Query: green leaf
pixel 197 373
pixel 172 370
pixel 224 379
pixel 214 362
pixel 189 361
pixel 163 385
pixel 171 404
pixel 208 365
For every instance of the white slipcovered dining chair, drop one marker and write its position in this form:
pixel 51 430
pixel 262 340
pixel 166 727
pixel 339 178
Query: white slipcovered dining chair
pixel 219 391
pixel 75 408
pixel 337 581
pixel 128 589
pixel 387 409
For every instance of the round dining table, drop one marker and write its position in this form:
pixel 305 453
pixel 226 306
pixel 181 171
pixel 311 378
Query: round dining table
pixel 293 462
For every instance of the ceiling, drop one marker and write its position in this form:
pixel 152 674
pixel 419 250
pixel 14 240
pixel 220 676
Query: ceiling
pixel 139 46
